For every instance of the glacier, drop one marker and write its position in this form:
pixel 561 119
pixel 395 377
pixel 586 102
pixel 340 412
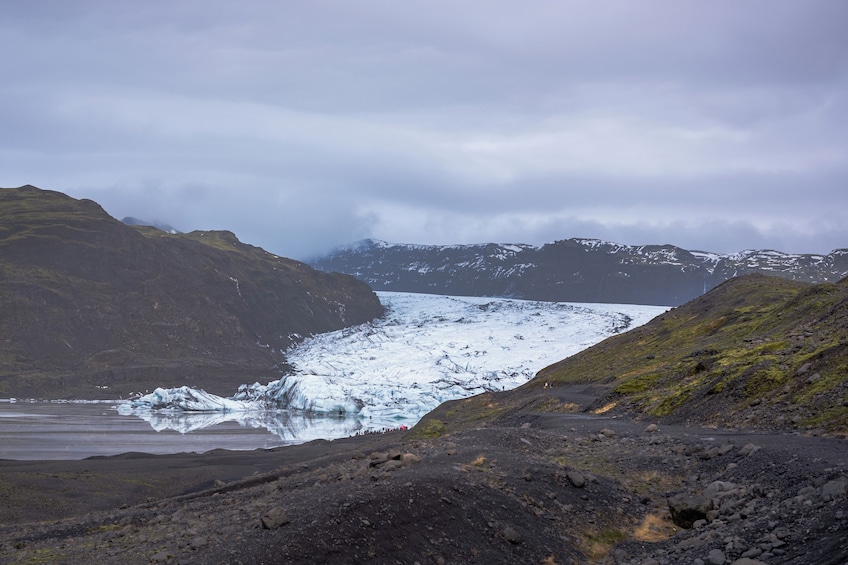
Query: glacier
pixel 425 350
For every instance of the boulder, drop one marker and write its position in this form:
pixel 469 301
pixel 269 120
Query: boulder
pixel 511 535
pixel 716 557
pixel 576 479
pixel 748 449
pixel 834 489
pixel 409 459
pixel 687 508
pixel 275 518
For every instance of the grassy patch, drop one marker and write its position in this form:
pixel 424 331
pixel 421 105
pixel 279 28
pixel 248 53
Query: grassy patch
pixel 764 381
pixel 105 528
pixel 596 544
pixel 637 384
pixel 654 528
pixel 669 403
pixel 429 429
pixel 480 461
pixel 605 408
pixel 555 405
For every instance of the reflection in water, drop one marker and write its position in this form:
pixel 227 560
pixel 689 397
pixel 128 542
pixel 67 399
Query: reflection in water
pixel 285 425
pixel 49 430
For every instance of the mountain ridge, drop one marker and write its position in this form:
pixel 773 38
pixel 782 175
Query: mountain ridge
pixel 570 270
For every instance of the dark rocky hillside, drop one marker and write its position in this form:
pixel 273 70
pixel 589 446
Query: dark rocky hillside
pixel 575 270
pixel 93 308
pixel 756 352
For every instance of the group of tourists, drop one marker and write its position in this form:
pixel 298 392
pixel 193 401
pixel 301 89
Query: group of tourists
pixel 402 428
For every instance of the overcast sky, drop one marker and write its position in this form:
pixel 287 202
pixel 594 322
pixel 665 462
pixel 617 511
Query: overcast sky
pixel 714 125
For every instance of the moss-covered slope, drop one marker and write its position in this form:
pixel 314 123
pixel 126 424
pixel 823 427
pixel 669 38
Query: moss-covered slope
pixel 757 351
pixel 93 308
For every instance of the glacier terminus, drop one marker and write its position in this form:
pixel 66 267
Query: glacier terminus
pixel 425 350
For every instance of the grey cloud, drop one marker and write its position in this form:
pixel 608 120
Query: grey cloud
pixel 304 125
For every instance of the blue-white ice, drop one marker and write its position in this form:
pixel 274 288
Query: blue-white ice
pixel 426 350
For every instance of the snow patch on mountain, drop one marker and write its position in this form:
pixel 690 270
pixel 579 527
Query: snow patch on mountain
pixel 426 350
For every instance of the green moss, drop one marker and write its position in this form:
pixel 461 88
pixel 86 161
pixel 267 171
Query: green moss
pixel 764 381
pixel 428 429
pixel 607 536
pixel 637 384
pixel 720 383
pixel 669 403
pixel 834 418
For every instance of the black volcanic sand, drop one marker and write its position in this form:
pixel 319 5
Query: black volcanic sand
pixel 542 488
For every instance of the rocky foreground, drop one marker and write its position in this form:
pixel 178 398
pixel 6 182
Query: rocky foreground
pixel 536 488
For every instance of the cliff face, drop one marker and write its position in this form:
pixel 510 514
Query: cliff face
pixel 93 308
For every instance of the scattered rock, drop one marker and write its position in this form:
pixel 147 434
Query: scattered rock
pixel 748 449
pixel 377 458
pixel 576 479
pixel 198 541
pixel 715 488
pixel 160 557
pixel 652 428
pixel 392 465
pixel 716 557
pixel 804 368
pixel 410 459
pixel 834 489
pixel 686 509
pixel 511 535
pixel 275 518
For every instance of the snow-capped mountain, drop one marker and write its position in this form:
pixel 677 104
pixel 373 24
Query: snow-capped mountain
pixel 427 349
pixel 579 270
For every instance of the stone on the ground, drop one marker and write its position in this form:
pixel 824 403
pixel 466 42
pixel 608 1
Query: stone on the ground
pixel 275 518
pixel 716 557
pixel 688 508
pixel 576 479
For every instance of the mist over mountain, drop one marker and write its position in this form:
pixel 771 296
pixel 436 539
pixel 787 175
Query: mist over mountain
pixel 131 221
pixel 570 270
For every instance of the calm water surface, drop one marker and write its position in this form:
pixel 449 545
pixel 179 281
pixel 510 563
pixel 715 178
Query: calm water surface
pixel 46 430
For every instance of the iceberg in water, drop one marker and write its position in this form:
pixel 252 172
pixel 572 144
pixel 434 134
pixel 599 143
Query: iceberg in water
pixel 184 399
pixel 426 350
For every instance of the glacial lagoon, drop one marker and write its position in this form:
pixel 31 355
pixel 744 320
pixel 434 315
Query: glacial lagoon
pixel 63 430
